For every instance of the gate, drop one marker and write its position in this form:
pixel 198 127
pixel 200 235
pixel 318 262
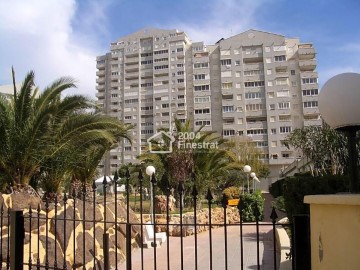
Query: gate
pixel 103 232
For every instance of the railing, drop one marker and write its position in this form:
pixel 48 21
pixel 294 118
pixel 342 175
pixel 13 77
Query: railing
pixel 102 232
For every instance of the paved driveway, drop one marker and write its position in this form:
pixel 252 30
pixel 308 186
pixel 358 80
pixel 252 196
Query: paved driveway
pixel 218 259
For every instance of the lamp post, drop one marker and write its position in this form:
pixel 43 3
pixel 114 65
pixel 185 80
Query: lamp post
pixel 150 171
pixel 247 170
pixel 339 101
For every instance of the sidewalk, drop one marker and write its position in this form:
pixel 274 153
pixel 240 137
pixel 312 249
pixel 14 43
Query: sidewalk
pixel 218 250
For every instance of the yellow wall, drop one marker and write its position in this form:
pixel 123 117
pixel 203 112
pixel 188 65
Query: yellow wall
pixel 335 231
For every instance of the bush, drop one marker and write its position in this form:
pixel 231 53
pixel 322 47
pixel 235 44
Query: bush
pixel 296 187
pixel 248 202
pixel 232 193
pixel 276 188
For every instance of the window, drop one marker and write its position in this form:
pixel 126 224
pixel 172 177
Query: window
pixel 179 49
pixel 239 97
pixel 284 105
pixel 268 72
pixel 161 67
pixel 146 84
pixel 165 114
pixel 293 84
pixel 204 87
pixel 181 72
pixel 272 107
pixel 254 84
pixel 230 132
pixel 127 148
pixel 281 81
pixel 203 123
pixel 226 62
pixel 237 62
pixel 180 80
pixel 202 111
pixel 202 99
pixel 165 105
pixel 181 105
pixel 285 155
pixel 160 52
pixel 256 95
pixel 201 65
pixel 310 104
pixel 309 80
pixel 286 129
pixel 114 95
pixel 273 131
pixel 160 60
pixel 131 101
pixel 280 58
pixel 274 156
pixel 271 94
pixel 310 92
pixel 272 118
pixel 147 108
pixel 228 109
pixel 146 131
pixel 227 85
pixel 181 96
pixel 147 124
pixel 128 117
pixel 254 107
pixel 292 72
pixel 253 72
pixel 199 76
pixel 256 131
pixel 260 144
pixel 179 65
pixel 146 62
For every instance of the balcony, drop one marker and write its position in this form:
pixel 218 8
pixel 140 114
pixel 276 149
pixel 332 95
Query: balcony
pixel 100 95
pixel 306 51
pixel 100 73
pixel 100 87
pixel 100 80
pixel 307 65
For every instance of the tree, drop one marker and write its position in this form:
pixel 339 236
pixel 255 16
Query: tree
pixel 323 145
pixel 46 138
pixel 193 160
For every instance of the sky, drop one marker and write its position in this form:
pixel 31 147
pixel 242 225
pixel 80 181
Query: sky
pixel 58 38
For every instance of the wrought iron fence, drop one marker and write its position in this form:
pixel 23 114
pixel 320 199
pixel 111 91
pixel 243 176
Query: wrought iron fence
pixel 80 231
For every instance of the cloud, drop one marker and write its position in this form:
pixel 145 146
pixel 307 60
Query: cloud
pixel 40 36
pixel 225 18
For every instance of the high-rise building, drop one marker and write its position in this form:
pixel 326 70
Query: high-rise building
pixel 255 84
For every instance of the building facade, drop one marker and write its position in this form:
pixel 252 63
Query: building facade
pixel 255 84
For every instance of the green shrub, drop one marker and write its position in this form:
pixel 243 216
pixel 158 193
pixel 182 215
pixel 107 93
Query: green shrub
pixel 276 188
pixel 232 193
pixel 296 187
pixel 248 202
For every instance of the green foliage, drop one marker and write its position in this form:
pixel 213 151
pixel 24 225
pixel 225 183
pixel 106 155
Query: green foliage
pixel 232 193
pixel 47 139
pixel 249 201
pixel 276 188
pixel 326 147
pixel 293 189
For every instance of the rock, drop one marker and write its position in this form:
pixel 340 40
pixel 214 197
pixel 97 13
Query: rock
pixel 160 204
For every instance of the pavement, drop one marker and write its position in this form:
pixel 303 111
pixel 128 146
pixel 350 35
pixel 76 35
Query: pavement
pixel 222 258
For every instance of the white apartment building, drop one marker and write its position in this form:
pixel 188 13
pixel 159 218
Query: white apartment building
pixel 255 84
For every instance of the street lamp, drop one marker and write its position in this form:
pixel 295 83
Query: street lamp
pixel 339 101
pixel 247 170
pixel 150 171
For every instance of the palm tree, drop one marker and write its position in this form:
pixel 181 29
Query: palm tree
pixel 47 137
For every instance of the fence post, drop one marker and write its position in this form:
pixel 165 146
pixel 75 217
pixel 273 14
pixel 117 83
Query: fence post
pixel 17 235
pixel 302 247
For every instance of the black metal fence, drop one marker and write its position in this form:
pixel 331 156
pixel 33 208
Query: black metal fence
pixel 102 232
